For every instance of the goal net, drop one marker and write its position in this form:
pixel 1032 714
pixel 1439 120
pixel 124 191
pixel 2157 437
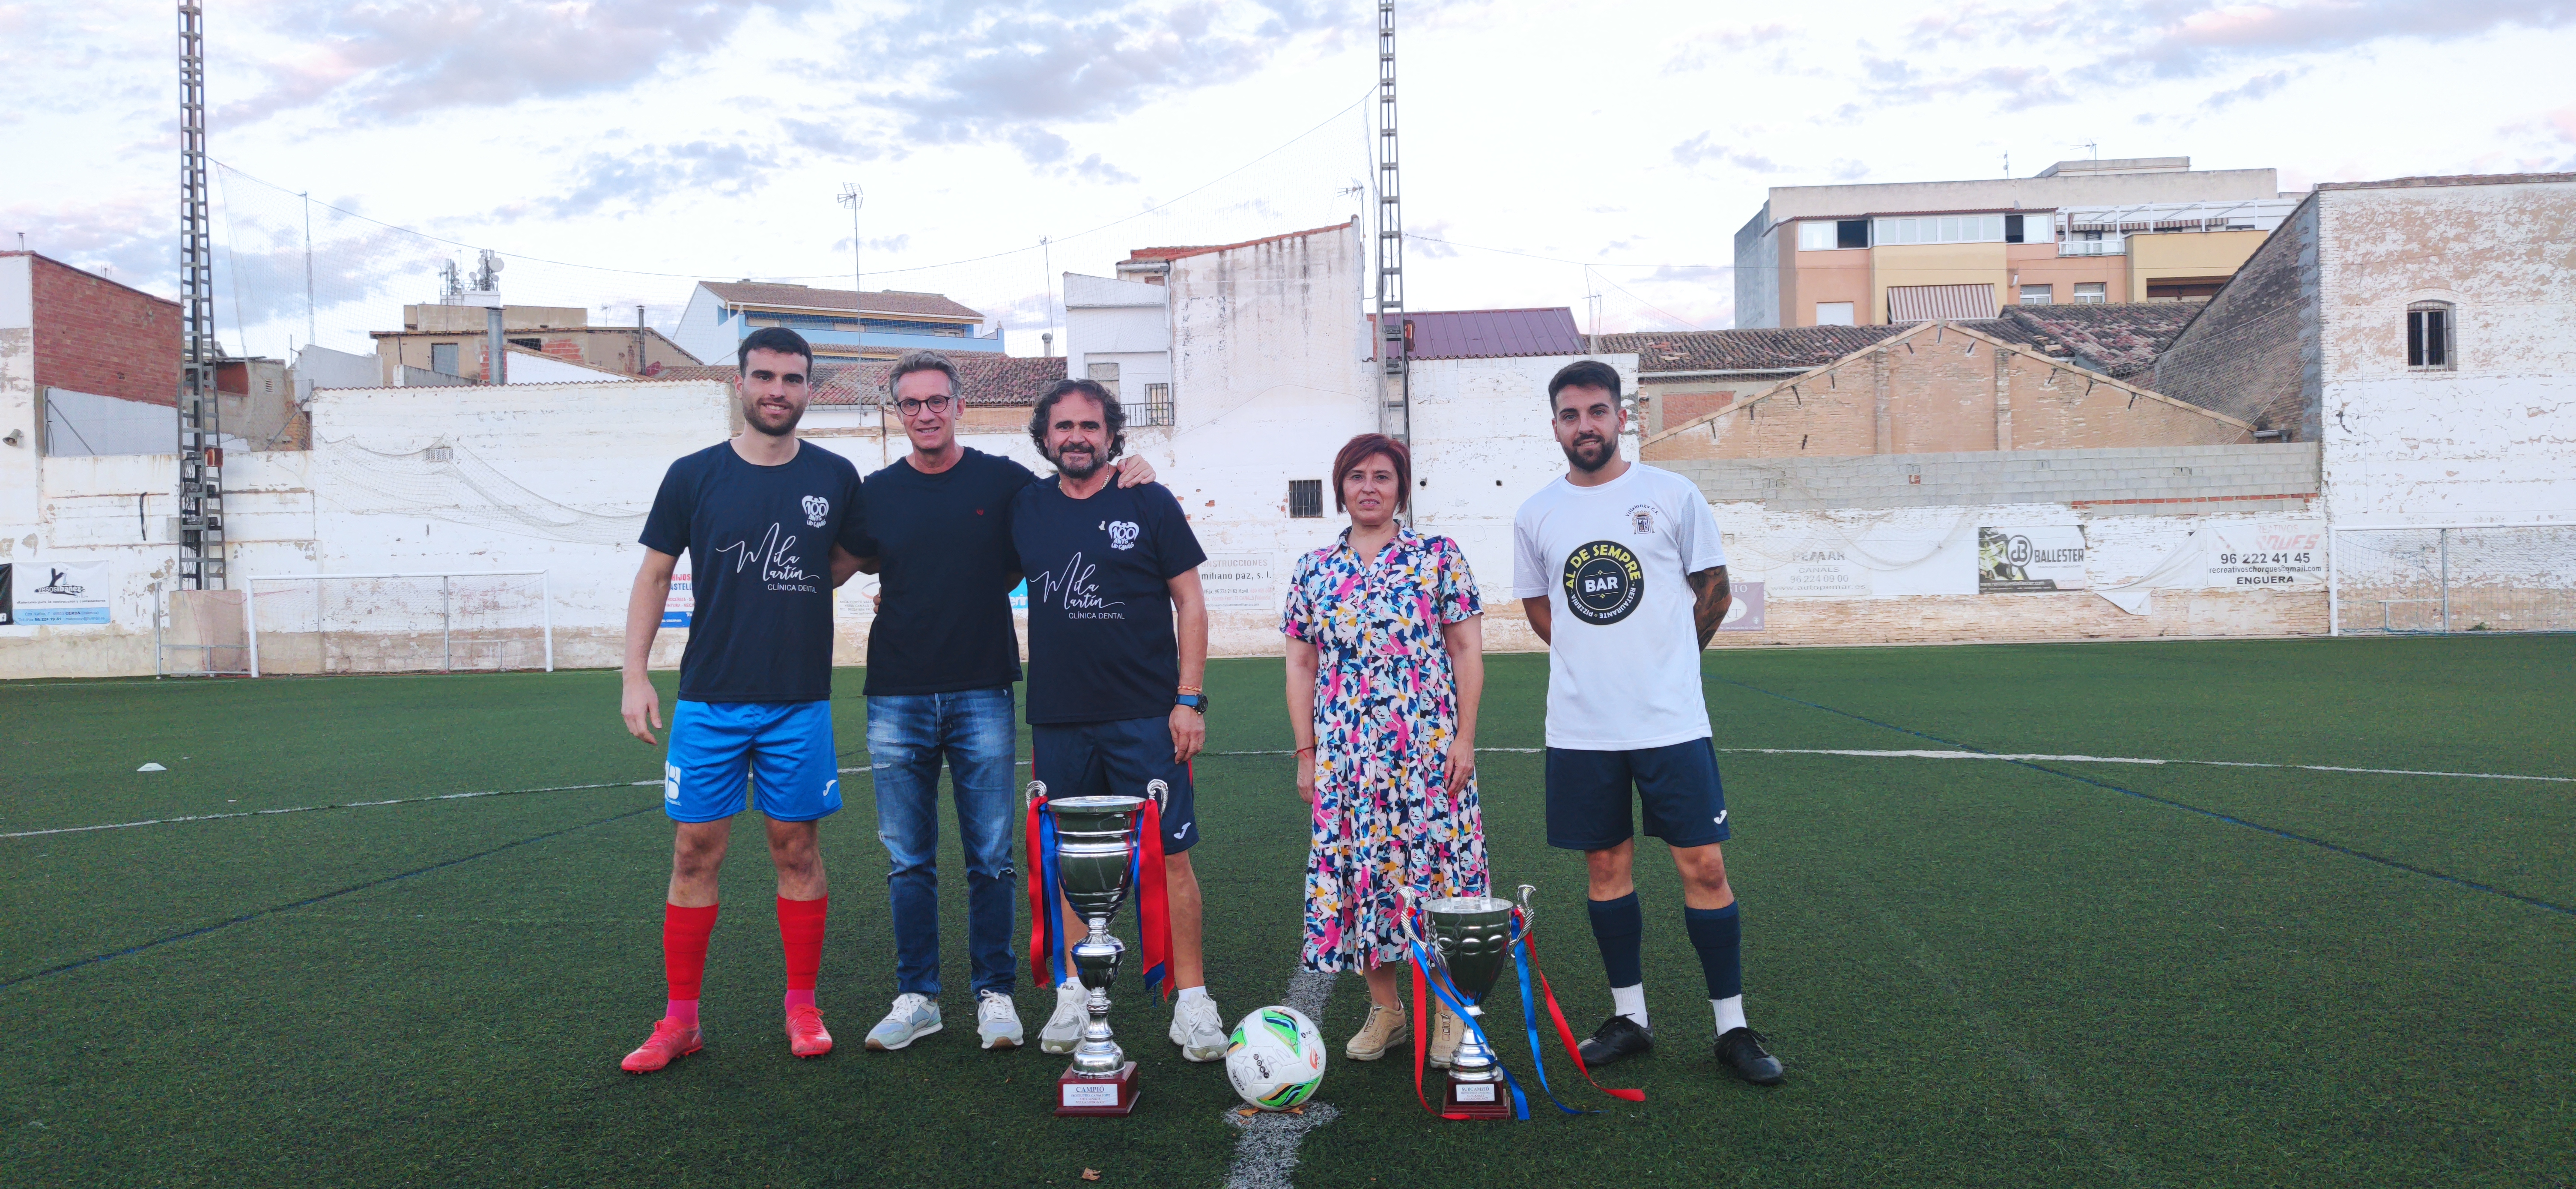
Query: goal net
pixel 400 623
pixel 2473 578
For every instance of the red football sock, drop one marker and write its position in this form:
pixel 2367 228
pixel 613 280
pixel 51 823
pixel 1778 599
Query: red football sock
pixel 800 932
pixel 684 957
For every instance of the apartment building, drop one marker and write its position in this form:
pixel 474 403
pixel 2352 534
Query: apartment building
pixel 2080 232
pixel 454 339
pixel 837 324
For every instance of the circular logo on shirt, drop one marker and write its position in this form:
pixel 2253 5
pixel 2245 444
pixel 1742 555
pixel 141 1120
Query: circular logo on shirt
pixel 1603 583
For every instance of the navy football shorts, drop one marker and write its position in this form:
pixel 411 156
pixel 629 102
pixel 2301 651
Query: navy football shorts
pixel 1588 796
pixel 1117 758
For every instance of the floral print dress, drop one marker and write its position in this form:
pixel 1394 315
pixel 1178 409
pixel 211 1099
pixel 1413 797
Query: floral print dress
pixel 1386 708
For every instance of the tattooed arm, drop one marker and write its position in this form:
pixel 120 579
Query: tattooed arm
pixel 1708 608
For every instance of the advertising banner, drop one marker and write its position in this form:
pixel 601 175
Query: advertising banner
pixel 1745 614
pixel 1240 582
pixel 2025 559
pixel 682 601
pixel 2242 556
pixel 55 592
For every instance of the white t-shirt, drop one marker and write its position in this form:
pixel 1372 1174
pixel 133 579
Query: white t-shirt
pixel 1614 561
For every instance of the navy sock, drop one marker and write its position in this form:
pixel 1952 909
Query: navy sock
pixel 1619 927
pixel 1718 935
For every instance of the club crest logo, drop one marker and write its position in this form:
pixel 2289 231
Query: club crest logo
pixel 1122 534
pixel 816 509
pixel 1603 583
pixel 1641 520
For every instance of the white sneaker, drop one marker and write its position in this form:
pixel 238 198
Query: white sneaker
pixel 914 1016
pixel 997 1020
pixel 1064 1029
pixel 1198 1029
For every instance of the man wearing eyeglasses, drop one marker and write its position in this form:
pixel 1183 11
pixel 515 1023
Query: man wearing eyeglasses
pixel 942 657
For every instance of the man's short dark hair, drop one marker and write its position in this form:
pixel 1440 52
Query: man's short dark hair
pixel 773 338
pixel 925 361
pixel 1583 373
pixel 1112 415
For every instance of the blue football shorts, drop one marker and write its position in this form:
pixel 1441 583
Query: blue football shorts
pixel 785 747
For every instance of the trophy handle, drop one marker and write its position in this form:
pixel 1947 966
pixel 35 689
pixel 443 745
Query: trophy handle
pixel 1412 909
pixel 1527 916
pixel 1160 793
pixel 1029 796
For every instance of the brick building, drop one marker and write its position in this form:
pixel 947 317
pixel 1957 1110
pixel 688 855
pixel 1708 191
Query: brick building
pixel 90 334
pixel 454 340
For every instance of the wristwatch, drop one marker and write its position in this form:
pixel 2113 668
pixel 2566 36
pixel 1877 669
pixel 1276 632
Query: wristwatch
pixel 1198 702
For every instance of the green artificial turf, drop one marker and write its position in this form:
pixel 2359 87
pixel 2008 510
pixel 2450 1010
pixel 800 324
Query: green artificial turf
pixel 2055 972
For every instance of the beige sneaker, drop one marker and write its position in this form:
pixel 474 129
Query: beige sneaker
pixel 1386 1027
pixel 1446 1031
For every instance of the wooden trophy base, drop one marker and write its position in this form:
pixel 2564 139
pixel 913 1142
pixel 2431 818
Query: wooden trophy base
pixel 1080 1094
pixel 1483 1100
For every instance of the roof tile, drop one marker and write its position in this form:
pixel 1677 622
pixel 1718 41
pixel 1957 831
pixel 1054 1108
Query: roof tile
pixel 883 301
pixel 1781 349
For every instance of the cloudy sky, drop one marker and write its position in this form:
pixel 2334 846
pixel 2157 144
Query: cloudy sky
pixel 617 151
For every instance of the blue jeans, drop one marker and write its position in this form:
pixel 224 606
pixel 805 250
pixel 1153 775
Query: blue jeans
pixel 908 736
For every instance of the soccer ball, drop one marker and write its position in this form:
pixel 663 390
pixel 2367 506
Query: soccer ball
pixel 1275 1058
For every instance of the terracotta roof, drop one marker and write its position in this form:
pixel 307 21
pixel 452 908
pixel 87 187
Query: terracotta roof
pixel 2456 179
pixel 2119 340
pixel 1780 349
pixel 1175 253
pixel 883 301
pixel 1492 334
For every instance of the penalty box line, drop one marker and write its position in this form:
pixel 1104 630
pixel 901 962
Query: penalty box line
pixel 2275 831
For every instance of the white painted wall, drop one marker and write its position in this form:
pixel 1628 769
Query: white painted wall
pixel 2495 437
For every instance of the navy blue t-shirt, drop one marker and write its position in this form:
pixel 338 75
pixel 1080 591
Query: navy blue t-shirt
pixel 759 540
pixel 1101 646
pixel 944 565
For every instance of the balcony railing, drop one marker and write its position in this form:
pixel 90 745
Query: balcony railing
pixel 2109 245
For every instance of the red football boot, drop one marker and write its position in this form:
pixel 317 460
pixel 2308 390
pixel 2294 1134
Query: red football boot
pixel 805 1034
pixel 670 1042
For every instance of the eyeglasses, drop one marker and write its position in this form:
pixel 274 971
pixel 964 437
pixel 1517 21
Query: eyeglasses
pixel 936 404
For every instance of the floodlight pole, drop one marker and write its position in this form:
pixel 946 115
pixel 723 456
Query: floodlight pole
pixel 854 197
pixel 1394 348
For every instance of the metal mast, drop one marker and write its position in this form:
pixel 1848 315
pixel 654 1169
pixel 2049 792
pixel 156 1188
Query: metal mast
pixel 201 456
pixel 1395 380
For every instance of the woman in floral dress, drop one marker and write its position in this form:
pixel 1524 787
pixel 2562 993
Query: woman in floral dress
pixel 1385 663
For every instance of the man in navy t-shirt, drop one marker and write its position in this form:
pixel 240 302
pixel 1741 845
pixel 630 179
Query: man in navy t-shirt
pixel 1117 651
pixel 767 523
pixel 942 656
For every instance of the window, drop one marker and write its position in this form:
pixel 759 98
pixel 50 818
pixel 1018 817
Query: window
pixel 1826 235
pixel 1833 313
pixel 442 358
pixel 1942 229
pixel 2184 288
pixel 1306 499
pixel 531 344
pixel 1156 408
pixel 2092 293
pixel 2013 229
pixel 2038 295
pixel 2428 335
pixel 1105 375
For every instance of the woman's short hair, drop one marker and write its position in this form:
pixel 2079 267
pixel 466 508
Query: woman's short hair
pixel 1369 445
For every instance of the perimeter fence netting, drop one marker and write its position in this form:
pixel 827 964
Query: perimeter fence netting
pixel 2486 578
pixel 400 623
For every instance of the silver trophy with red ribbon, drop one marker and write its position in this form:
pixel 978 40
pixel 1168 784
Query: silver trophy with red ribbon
pixel 1470 944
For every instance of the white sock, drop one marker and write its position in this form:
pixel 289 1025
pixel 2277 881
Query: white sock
pixel 1630 1002
pixel 1730 1013
pixel 1190 993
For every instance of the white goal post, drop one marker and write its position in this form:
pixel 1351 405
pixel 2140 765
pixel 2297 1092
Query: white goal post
pixel 2436 579
pixel 486 621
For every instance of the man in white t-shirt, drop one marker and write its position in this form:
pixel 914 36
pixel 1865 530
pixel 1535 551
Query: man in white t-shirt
pixel 1622 572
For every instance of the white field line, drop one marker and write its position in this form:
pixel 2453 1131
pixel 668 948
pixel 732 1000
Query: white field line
pixel 2046 758
pixel 216 817
pixel 2040 757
